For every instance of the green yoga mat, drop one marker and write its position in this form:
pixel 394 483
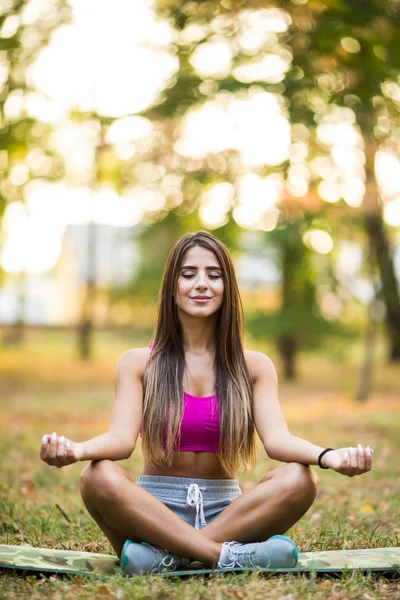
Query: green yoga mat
pixel 47 560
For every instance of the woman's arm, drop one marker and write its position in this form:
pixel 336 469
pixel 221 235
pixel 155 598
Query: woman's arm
pixel 120 439
pixel 278 442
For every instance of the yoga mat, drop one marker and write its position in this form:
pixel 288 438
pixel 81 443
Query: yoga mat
pixel 47 560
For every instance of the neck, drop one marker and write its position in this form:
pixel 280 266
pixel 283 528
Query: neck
pixel 198 333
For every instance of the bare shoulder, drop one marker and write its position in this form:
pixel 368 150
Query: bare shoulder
pixel 260 365
pixel 133 362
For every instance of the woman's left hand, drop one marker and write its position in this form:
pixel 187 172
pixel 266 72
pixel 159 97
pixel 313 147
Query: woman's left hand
pixel 349 461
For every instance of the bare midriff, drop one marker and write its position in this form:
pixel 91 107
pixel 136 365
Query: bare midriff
pixel 195 465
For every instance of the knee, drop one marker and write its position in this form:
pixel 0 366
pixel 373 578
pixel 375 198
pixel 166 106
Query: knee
pixel 301 481
pixel 99 477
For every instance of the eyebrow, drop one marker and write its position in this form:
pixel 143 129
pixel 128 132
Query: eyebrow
pixel 195 268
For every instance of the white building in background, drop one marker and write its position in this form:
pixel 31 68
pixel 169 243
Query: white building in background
pixel 54 298
pixel 256 272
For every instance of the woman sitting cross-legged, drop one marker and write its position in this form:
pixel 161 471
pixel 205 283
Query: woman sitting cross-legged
pixel 198 397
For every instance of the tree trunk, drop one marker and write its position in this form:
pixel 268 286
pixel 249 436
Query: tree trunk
pixel 15 336
pixel 85 332
pixel 380 246
pixel 291 253
pixel 382 252
pixel 86 323
pixel 85 339
pixel 287 346
pixel 369 347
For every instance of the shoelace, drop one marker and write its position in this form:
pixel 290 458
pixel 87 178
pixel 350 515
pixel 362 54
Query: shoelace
pixel 164 560
pixel 170 562
pixel 234 552
pixel 195 498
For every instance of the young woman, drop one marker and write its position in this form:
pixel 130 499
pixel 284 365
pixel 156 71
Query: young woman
pixel 198 397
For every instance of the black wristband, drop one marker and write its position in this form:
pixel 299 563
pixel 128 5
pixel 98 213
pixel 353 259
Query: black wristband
pixel 321 455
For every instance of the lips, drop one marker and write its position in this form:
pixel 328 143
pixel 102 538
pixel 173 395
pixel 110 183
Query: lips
pixel 200 299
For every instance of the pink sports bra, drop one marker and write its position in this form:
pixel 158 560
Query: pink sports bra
pixel 200 423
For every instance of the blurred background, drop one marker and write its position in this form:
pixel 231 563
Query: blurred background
pixel 274 125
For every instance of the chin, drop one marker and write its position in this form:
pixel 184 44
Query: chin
pixel 200 311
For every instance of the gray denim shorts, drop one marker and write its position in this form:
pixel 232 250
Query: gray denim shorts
pixel 196 501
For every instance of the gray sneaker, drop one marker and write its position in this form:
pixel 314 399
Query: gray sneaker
pixel 278 552
pixel 137 559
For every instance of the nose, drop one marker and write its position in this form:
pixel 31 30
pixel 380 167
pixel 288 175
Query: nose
pixel 201 281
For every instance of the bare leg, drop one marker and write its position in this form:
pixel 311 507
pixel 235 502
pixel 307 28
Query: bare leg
pixel 116 539
pixel 124 510
pixel 276 503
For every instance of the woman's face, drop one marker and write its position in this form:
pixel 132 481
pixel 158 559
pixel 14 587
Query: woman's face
pixel 200 287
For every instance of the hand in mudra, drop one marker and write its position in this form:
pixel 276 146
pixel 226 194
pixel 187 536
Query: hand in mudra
pixel 57 451
pixel 349 461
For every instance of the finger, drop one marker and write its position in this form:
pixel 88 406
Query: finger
pixel 53 447
pixel 368 458
pixel 344 468
pixel 61 451
pixel 360 459
pixel 346 462
pixel 43 446
pixel 352 462
pixel 52 452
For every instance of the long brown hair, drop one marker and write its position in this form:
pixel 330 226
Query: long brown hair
pixel 162 380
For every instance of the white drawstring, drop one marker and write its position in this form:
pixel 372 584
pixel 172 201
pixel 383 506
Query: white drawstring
pixel 195 498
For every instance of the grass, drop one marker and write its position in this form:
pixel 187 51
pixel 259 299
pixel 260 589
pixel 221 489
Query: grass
pixel 44 388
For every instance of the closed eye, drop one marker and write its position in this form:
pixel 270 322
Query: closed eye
pixel 189 276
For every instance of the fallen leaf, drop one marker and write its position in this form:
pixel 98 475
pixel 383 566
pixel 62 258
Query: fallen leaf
pixel 103 589
pixel 91 547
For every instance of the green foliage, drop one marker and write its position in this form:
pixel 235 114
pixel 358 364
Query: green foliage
pixel 299 315
pixel 310 328
pixel 343 53
pixel 21 133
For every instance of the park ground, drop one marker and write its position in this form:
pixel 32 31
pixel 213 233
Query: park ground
pixel 44 388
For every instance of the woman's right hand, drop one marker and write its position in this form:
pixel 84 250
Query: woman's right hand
pixel 57 451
